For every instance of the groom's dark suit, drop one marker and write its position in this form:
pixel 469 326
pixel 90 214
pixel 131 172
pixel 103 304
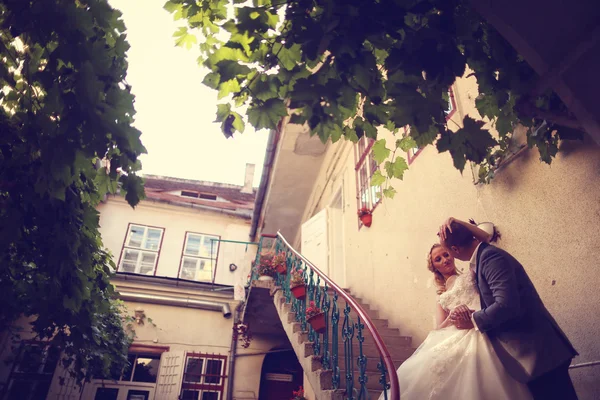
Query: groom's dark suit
pixel 528 341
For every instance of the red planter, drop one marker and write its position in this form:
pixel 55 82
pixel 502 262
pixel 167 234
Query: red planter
pixel 366 219
pixel 317 322
pixel 299 292
pixel 281 269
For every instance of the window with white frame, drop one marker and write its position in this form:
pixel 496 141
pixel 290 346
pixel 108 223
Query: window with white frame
pixel 199 256
pixel 368 196
pixel 141 248
pixel 32 373
pixel 203 377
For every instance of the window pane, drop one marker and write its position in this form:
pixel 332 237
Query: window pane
pixel 129 262
pixel 52 356
pixel 192 247
pixel 136 235
pixel 213 371
pixel 193 370
pixel 147 263
pixel 106 394
pixel 138 395
pixel 128 368
pixel 190 395
pixel 153 239
pixel 31 359
pixel 209 247
pixel 210 395
pixel 146 369
pixel 204 270
pixel 188 269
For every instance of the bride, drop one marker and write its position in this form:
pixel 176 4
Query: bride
pixel 453 363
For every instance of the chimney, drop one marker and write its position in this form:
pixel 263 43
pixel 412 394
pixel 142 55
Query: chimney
pixel 248 178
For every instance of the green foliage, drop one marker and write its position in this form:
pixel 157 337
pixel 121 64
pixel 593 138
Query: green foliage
pixel 64 106
pixel 347 70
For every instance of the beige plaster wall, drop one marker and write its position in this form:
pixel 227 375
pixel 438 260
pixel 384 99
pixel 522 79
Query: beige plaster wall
pixel 549 217
pixel 116 214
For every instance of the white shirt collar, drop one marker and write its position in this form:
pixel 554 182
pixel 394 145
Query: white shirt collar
pixel 473 261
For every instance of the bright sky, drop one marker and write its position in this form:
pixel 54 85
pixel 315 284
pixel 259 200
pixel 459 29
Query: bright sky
pixel 175 112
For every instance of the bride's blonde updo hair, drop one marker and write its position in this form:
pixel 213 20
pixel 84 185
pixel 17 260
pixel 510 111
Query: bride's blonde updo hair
pixel 439 279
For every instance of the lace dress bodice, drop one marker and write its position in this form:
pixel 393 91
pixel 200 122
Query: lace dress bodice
pixel 464 291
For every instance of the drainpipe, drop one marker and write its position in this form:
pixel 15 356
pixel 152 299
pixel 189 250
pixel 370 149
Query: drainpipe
pixel 264 179
pixel 178 301
pixel 232 352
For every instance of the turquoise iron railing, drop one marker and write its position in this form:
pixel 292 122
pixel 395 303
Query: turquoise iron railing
pixel 344 319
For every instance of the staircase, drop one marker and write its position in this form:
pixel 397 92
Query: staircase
pixel 398 346
pixel 352 354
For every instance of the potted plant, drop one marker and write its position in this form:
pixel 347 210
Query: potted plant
pixel 298 394
pixel 366 216
pixel 278 262
pixel 297 286
pixel 315 317
pixel 265 269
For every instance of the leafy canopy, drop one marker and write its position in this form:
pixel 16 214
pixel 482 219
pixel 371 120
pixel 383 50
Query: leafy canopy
pixel 348 69
pixel 64 106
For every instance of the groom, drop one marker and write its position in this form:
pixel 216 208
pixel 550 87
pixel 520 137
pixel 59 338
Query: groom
pixel 528 341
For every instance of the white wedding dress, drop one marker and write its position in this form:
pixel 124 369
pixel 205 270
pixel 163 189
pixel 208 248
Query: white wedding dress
pixel 454 364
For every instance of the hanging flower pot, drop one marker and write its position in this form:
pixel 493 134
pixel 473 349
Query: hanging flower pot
pixel 365 216
pixel 317 322
pixel 281 269
pixel 299 291
pixel 278 261
pixel 315 317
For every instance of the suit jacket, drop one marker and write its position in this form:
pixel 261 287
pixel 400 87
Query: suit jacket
pixel 524 335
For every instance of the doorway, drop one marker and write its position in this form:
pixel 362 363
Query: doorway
pixel 281 375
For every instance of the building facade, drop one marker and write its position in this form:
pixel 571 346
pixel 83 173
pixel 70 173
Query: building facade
pixel 548 216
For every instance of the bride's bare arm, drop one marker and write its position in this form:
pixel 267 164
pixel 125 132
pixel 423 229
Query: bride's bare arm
pixel 478 233
pixel 442 317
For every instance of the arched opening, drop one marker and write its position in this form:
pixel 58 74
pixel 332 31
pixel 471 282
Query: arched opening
pixel 281 375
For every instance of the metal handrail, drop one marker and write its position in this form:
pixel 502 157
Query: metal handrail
pixel 381 347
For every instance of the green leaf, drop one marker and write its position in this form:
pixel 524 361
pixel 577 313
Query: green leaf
pixel 380 151
pixel 389 192
pixel 223 111
pixel 406 143
pixel 212 80
pixel 184 39
pixel 487 106
pixel 396 168
pixel 288 58
pixel 468 143
pixel 377 179
pixel 228 87
pixel 267 115
pixel 171 6
pixel 350 134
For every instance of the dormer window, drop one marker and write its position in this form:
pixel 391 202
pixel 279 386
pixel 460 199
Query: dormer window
pixel 196 195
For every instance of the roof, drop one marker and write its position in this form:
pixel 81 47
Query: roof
pixel 229 197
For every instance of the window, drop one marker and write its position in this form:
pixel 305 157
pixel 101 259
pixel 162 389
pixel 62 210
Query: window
pixel 141 367
pixel 199 257
pixel 140 252
pixel 451 104
pixel 195 195
pixel 368 196
pixel 204 377
pixel 32 372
